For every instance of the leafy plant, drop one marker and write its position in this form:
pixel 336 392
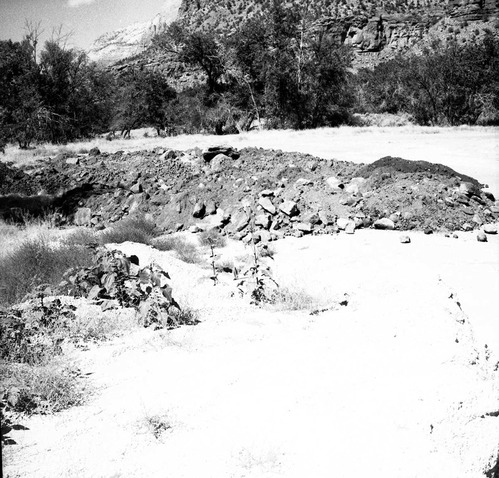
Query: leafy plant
pixel 114 276
pixel 256 279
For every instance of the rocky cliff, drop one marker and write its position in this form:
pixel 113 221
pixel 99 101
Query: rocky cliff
pixel 376 30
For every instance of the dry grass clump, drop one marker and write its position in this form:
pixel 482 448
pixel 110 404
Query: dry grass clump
pixel 43 389
pixel 133 228
pixel 93 325
pixel 288 298
pixel 11 235
pixel 81 237
pixel 35 262
pixel 185 250
pixel 36 376
pixel 212 238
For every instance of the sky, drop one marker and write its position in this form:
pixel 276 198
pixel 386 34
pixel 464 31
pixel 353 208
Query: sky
pixel 86 19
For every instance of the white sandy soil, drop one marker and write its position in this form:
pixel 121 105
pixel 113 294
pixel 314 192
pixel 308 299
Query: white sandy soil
pixel 396 384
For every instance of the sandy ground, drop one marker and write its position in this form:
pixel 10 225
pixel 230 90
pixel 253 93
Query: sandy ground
pixel 397 383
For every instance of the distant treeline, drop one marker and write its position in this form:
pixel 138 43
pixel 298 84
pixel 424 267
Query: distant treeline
pixel 279 69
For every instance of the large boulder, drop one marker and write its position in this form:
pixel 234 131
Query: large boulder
pixel 212 151
pixel 219 162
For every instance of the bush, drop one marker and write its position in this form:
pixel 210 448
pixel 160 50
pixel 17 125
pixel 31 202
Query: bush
pixel 81 237
pixel 212 238
pixel 134 229
pixel 185 250
pixel 293 299
pixel 44 389
pixel 36 262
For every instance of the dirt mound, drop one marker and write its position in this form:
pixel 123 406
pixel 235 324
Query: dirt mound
pixel 291 193
pixel 389 164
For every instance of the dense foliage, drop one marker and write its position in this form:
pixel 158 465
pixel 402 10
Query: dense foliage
pixel 448 84
pixel 280 67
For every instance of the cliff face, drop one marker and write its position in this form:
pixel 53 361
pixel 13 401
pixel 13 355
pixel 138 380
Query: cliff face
pixel 130 41
pixel 376 30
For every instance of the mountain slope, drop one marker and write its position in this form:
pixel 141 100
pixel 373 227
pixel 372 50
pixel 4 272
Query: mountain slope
pixel 132 40
pixel 376 30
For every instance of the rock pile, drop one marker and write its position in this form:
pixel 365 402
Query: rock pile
pixel 255 194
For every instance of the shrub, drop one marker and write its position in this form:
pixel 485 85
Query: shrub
pixel 36 262
pixel 185 250
pixel 212 238
pixel 134 229
pixel 81 237
pixel 286 298
pixel 43 389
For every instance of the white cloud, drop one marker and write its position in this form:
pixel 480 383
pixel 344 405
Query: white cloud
pixel 77 3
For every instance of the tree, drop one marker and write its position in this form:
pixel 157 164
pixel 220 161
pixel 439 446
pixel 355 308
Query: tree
pixel 197 49
pixel 144 98
pixel 449 84
pixel 23 117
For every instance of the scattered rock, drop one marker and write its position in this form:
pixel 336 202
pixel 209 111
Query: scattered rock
pixel 384 223
pixel 350 227
pixel 488 195
pixel 136 188
pixel 263 220
pixel 342 223
pixel 477 219
pixel 305 227
pixel 335 184
pixel 325 218
pixel 481 237
pixel 290 208
pixel 468 210
pixel 94 152
pixel 211 208
pixel 312 218
pixel 469 189
pixel 490 229
pixel 462 199
pixel 239 221
pixel 73 161
pixel 213 151
pixel 267 205
pixel 405 239
pixel 304 182
pixel 218 162
pixel 83 216
pixel 199 210
pixel 428 231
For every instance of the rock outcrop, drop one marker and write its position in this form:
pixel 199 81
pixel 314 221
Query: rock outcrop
pixel 134 39
pixel 376 30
